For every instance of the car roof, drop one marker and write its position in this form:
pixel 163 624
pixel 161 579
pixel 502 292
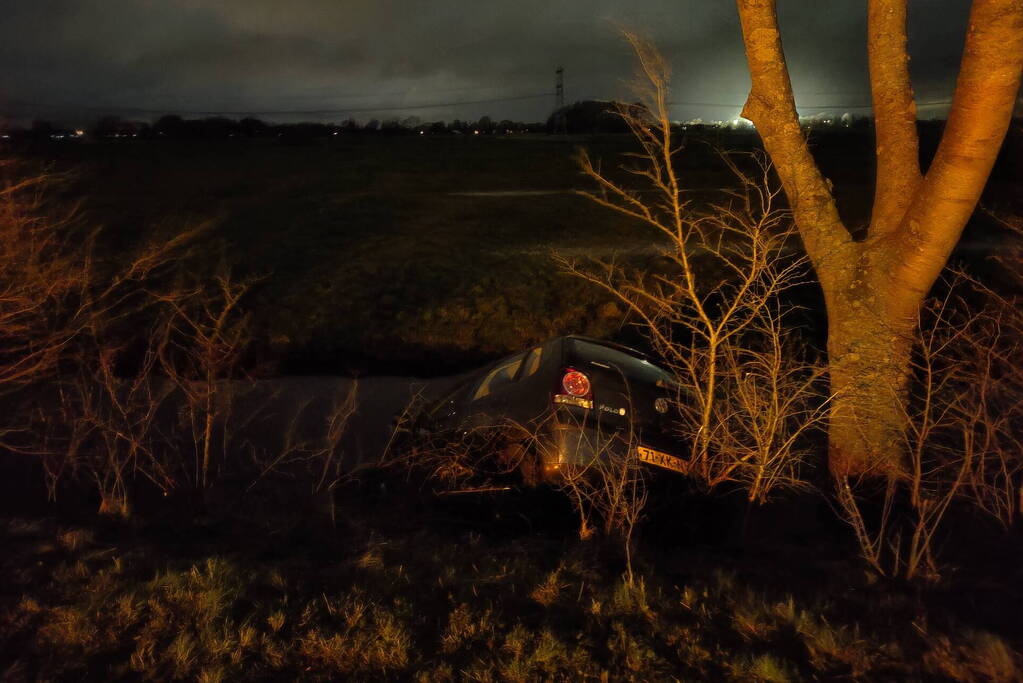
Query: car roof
pixel 609 344
pixel 563 342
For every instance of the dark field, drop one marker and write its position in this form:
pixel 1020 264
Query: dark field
pixel 379 253
pixel 427 256
pixel 372 260
pixel 416 254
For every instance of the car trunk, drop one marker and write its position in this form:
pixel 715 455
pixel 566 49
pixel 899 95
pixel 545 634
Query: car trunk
pixel 625 387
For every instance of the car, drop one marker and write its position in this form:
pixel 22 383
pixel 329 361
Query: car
pixel 563 403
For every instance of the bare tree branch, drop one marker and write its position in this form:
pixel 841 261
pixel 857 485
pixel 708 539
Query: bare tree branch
pixel 989 79
pixel 772 108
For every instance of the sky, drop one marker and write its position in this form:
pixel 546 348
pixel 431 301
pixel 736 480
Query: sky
pixel 327 60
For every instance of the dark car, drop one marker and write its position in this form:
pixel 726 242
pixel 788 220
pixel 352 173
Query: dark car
pixel 575 398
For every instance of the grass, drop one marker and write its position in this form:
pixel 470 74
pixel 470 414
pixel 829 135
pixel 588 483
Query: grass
pixel 426 591
pixel 373 260
pixel 372 264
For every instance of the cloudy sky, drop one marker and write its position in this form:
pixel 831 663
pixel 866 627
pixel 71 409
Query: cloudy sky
pixel 436 59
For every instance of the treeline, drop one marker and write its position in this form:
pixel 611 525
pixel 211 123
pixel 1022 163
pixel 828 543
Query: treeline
pixel 586 117
pixel 173 127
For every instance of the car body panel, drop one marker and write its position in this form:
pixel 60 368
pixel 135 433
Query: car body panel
pixel 520 389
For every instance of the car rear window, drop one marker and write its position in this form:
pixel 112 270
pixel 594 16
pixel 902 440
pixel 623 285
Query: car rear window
pixel 533 361
pixel 501 375
pixel 635 369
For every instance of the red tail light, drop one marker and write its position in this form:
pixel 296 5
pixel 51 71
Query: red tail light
pixel 575 390
pixel 575 383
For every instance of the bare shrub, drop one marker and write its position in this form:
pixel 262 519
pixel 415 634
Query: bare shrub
pixel 112 428
pixel 994 400
pixel 772 401
pixel 61 308
pixel 608 491
pixel 480 459
pixel 43 278
pixel 309 452
pixel 602 477
pixel 97 355
pixel 747 396
pixel 963 437
pixel 204 335
pixel 710 303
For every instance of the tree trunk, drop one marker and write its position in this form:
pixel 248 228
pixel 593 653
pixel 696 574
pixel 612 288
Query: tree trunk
pixel 874 289
pixel 871 331
pixel 869 363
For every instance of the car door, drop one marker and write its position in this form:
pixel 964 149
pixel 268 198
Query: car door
pixel 449 412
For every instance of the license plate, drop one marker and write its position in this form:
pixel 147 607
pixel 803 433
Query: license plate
pixel 670 462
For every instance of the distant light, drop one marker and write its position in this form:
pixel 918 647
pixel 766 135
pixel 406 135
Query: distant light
pixel 79 133
pixel 475 132
pixel 335 132
pixel 422 132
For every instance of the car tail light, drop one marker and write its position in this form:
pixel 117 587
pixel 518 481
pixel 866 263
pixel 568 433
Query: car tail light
pixel 575 383
pixel 574 390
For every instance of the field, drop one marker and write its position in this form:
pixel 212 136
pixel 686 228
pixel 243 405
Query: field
pixel 381 253
pixel 481 589
pixel 424 257
pixel 397 254
pixel 371 255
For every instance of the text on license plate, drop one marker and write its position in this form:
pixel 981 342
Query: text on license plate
pixel 660 459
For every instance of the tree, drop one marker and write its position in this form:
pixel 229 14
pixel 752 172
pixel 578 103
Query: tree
pixel 874 287
pixel 253 127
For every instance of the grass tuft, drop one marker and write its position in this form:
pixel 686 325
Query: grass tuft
pixel 765 668
pixel 976 656
pixel 547 592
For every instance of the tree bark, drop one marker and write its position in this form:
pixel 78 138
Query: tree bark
pixel 896 142
pixel 868 362
pixel 772 108
pixel 989 79
pixel 873 289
